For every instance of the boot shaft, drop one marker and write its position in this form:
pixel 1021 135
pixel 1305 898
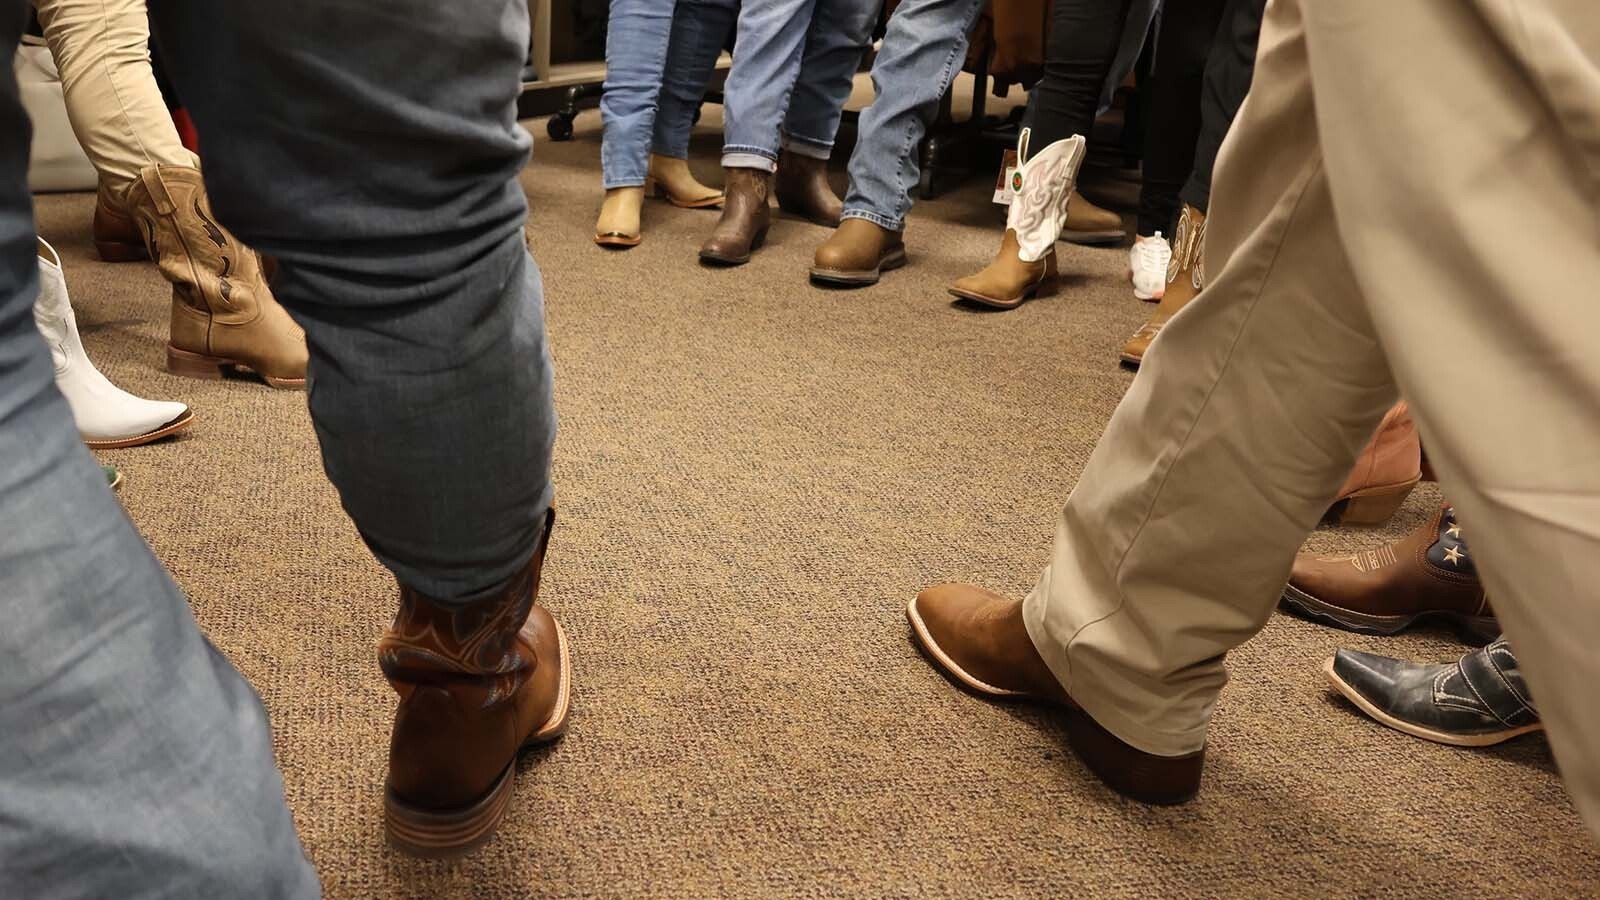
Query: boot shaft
pixel 1040 189
pixel 210 270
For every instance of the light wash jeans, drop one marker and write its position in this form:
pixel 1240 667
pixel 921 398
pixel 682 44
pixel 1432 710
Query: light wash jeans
pixel 793 64
pixel 658 61
pixel 134 760
pixel 921 53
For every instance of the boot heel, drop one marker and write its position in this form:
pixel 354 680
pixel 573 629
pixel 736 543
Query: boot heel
pixel 436 835
pixel 194 365
pixel 120 251
pixel 1374 506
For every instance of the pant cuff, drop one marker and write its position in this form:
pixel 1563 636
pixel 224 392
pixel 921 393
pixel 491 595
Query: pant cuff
pixel 801 146
pixel 874 218
pixel 1104 710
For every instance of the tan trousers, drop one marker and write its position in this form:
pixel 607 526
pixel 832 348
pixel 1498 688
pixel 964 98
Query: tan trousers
pixel 102 48
pixel 1411 188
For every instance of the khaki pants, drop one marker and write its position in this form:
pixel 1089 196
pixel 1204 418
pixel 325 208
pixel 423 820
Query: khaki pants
pixel 102 49
pixel 1406 203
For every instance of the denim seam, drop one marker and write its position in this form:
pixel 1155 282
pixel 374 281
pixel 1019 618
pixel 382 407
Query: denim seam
pixel 945 77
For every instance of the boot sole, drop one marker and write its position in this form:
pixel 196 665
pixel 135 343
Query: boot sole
pixel 167 430
pixel 616 240
pixel 1477 630
pixel 215 368
pixel 859 277
pixel 722 259
pixel 1089 740
pixel 1037 289
pixel 1428 734
pixel 435 835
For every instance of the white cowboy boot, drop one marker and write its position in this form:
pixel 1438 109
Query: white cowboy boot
pixel 1026 264
pixel 107 416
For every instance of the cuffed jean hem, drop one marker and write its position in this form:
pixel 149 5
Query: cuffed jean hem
pixel 741 157
pixel 669 152
pixel 874 218
pixel 624 182
pixel 804 146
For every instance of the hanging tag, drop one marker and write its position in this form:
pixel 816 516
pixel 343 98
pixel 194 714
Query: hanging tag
pixel 1002 184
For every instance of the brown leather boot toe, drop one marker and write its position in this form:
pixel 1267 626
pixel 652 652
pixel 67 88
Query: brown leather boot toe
pixel 746 216
pixel 857 254
pixel 477 683
pixel 978 638
pixel 1428 574
pixel 803 190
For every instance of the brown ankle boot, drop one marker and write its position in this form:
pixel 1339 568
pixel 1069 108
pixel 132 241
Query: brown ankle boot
pixel 856 254
pixel 477 684
pixel 1091 225
pixel 1040 188
pixel 1426 574
pixel 223 313
pixel 746 215
pixel 1185 277
pixel 116 235
pixel 1006 282
pixel 1385 473
pixel 803 190
pixel 978 638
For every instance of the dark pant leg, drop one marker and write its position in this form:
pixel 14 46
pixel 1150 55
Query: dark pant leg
pixel 1084 35
pixel 1229 67
pixel 1172 122
pixel 374 150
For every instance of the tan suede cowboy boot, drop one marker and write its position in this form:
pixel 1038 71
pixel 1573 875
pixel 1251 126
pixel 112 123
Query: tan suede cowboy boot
pixel 223 313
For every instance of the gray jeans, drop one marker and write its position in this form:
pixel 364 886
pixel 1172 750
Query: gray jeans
pixel 381 172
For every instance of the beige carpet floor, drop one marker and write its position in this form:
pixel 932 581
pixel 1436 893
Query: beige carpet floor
pixel 755 475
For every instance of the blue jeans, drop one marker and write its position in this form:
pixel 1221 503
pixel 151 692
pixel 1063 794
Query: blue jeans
pixel 658 61
pixel 921 54
pixel 134 760
pixel 793 64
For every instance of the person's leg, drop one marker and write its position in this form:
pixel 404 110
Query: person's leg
pixel 1084 35
pixel 841 31
pixel 134 760
pixel 102 48
pixel 699 29
pixel 1468 211
pixel 637 37
pixel 1184 37
pixel 383 176
pixel 766 62
pixel 1229 66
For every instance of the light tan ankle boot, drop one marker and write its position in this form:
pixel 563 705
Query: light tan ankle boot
pixel 223 313
pixel 674 183
pixel 1185 278
pixel 617 228
pixel 1026 264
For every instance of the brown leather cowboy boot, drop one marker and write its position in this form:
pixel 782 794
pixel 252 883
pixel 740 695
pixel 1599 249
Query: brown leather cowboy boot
pixel 856 254
pixel 223 313
pixel 1426 574
pixel 746 215
pixel 803 189
pixel 1388 468
pixel 1185 278
pixel 978 638
pixel 477 683
pixel 116 235
pixel 1091 225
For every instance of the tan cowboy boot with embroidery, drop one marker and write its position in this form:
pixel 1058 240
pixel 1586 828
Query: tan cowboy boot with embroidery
pixel 1026 264
pixel 223 314
pixel 1185 277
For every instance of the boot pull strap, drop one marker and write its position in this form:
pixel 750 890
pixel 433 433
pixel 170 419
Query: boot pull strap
pixel 158 191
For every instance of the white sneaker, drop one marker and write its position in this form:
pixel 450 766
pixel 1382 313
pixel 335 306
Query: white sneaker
pixel 1147 266
pixel 107 416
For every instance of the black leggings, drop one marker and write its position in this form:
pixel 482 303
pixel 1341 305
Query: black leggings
pixel 1171 108
pixel 1084 35
pixel 1229 67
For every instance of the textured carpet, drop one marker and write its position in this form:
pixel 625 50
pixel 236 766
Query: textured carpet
pixel 754 477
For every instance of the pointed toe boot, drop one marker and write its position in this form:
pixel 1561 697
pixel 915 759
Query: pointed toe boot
pixel 1428 574
pixel 1477 701
pixel 224 316
pixel 107 416
pixel 803 189
pixel 1026 263
pixel 478 683
pixel 978 639
pixel 746 216
pixel 857 254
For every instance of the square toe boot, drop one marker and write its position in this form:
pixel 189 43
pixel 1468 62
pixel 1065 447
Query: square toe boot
pixel 746 216
pixel 857 254
pixel 1388 468
pixel 803 189
pixel 1025 266
pixel 1428 574
pixel 478 682
pixel 978 639
pixel 223 314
